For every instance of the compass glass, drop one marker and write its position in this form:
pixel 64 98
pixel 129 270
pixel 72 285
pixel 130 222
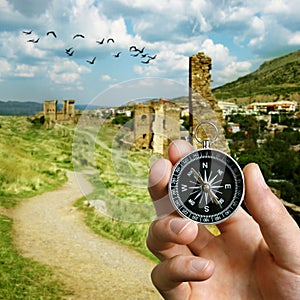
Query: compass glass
pixel 206 186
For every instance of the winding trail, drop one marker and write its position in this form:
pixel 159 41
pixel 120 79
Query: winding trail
pixel 50 230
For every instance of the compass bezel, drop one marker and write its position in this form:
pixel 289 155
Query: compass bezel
pixel 232 170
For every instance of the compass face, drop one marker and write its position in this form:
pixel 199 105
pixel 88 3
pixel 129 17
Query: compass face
pixel 206 186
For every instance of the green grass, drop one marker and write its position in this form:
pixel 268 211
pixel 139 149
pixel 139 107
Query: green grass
pixel 32 159
pixel 22 278
pixel 120 181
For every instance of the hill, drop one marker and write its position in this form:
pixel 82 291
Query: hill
pixel 17 108
pixel 273 80
pixel 30 108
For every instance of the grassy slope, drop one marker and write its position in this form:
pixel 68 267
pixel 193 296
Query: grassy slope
pixel 120 180
pixel 31 159
pixel 30 162
pixel 22 278
pixel 276 77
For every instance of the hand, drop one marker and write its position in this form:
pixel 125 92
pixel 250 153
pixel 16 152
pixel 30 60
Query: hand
pixel 254 257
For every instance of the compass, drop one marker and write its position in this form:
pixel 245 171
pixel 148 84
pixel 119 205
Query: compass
pixel 206 185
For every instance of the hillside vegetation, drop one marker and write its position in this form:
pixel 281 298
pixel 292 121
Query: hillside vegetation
pixel 274 79
pixel 31 158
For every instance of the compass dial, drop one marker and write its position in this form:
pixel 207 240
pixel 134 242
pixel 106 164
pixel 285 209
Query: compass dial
pixel 206 186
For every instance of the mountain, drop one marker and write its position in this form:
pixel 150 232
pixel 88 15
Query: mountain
pixel 275 79
pixel 30 108
pixel 17 108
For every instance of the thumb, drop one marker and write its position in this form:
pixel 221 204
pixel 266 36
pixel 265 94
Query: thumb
pixel 278 228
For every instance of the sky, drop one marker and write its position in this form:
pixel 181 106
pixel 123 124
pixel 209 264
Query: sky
pixel 237 35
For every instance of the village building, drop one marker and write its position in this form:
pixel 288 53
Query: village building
pixel 228 108
pixel 272 107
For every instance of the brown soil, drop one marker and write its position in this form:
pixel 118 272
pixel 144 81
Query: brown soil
pixel 48 229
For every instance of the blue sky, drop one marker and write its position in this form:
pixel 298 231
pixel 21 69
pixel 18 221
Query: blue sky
pixel 237 35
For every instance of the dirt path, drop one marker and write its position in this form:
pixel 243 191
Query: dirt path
pixel 50 230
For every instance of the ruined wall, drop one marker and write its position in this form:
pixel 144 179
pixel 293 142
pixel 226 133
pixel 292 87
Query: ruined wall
pixel 143 118
pixel 67 113
pixel 68 109
pixel 202 103
pixel 156 124
pixel 50 110
pixel 166 126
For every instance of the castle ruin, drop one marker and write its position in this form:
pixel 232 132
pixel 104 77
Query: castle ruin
pixel 202 103
pixel 156 123
pixel 52 114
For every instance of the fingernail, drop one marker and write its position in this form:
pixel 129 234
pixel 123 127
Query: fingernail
pixel 157 172
pixel 181 147
pixel 260 178
pixel 179 225
pixel 199 264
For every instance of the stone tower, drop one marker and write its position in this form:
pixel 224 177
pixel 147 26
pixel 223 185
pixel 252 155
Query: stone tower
pixel 165 126
pixel 202 103
pixel 156 124
pixel 68 109
pixel 143 118
pixel 50 110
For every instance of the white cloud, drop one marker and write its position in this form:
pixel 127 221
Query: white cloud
pixel 67 72
pixel 174 30
pixel 26 71
pixel 225 68
pixel 294 38
pixel 5 69
pixel 106 77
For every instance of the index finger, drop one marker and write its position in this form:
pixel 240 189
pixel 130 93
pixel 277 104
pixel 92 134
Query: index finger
pixel 159 176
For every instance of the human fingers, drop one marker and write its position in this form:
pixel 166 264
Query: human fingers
pixel 278 228
pixel 159 176
pixel 172 277
pixel 170 235
pixel 178 149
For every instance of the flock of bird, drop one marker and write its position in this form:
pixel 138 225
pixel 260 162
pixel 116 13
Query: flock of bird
pixel 146 58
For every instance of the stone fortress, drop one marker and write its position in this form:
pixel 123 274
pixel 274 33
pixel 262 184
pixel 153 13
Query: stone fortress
pixel 157 123
pixel 52 114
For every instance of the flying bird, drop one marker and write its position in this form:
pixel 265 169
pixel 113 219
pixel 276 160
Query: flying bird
pixel 70 53
pixel 146 62
pixel 27 32
pixel 133 48
pixel 117 55
pixel 142 50
pixel 100 42
pixel 78 35
pixel 33 41
pixel 135 55
pixel 52 32
pixel 152 57
pixel 69 50
pixel 91 61
pixel 110 40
